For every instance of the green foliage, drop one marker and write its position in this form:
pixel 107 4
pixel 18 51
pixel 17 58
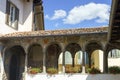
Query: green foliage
pixel 114 70
pixel 93 71
pixel 76 69
pixel 87 68
pixel 52 71
pixel 35 70
pixel 72 70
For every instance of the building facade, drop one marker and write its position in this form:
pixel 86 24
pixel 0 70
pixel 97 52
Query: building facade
pixel 21 15
pixel 43 49
pixel 24 44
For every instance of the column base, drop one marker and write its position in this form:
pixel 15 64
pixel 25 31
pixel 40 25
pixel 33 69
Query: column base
pixel 44 69
pixel 63 69
pixel 83 69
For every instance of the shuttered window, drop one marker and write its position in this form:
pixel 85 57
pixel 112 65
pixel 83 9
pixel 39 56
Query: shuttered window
pixel 12 15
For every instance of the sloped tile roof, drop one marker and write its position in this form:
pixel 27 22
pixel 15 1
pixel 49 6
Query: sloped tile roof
pixel 56 32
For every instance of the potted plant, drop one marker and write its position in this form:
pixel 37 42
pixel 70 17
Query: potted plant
pixel 114 70
pixel 69 70
pixel 72 70
pixel 52 71
pixel 34 70
pixel 93 70
pixel 75 69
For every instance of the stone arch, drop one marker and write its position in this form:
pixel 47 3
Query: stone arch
pixel 111 47
pixel 53 51
pixel 14 62
pixel 90 47
pixel 35 56
pixel 94 42
pixel 55 42
pixel 93 45
pixel 72 48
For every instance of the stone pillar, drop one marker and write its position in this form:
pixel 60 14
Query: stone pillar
pixel 44 61
pixel 89 57
pixel 26 62
pixel 4 76
pixel 105 63
pixel 73 61
pixel 63 59
pixel 1 63
pixel 26 66
pixel 83 62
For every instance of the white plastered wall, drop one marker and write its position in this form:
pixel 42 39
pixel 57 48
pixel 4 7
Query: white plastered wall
pixel 25 16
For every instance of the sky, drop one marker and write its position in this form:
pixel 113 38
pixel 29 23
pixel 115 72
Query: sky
pixel 69 14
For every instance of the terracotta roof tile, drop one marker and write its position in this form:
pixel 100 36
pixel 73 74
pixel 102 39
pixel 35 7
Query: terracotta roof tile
pixel 56 32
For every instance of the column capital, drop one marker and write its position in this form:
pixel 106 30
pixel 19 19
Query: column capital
pixel 83 49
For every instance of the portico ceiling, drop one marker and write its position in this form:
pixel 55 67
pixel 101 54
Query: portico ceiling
pixel 114 23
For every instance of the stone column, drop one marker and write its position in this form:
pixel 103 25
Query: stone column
pixel 83 62
pixel 3 74
pixel 44 61
pixel 1 59
pixel 2 62
pixel 26 62
pixel 105 62
pixel 73 61
pixel 63 59
pixel 89 58
pixel 26 65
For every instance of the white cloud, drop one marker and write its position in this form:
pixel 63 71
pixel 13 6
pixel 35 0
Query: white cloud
pixel 47 17
pixel 58 14
pixel 88 12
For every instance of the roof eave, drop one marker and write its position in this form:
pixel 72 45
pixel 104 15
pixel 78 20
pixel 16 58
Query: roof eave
pixel 113 9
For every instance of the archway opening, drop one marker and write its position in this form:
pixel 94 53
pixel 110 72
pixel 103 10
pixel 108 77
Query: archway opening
pixel 52 54
pixel 78 61
pixel 97 59
pixel 35 57
pixel 72 51
pixel 68 61
pixel 14 62
pixel 114 58
pixel 94 56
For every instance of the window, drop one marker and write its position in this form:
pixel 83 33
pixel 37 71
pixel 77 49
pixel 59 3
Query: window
pixel 12 15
